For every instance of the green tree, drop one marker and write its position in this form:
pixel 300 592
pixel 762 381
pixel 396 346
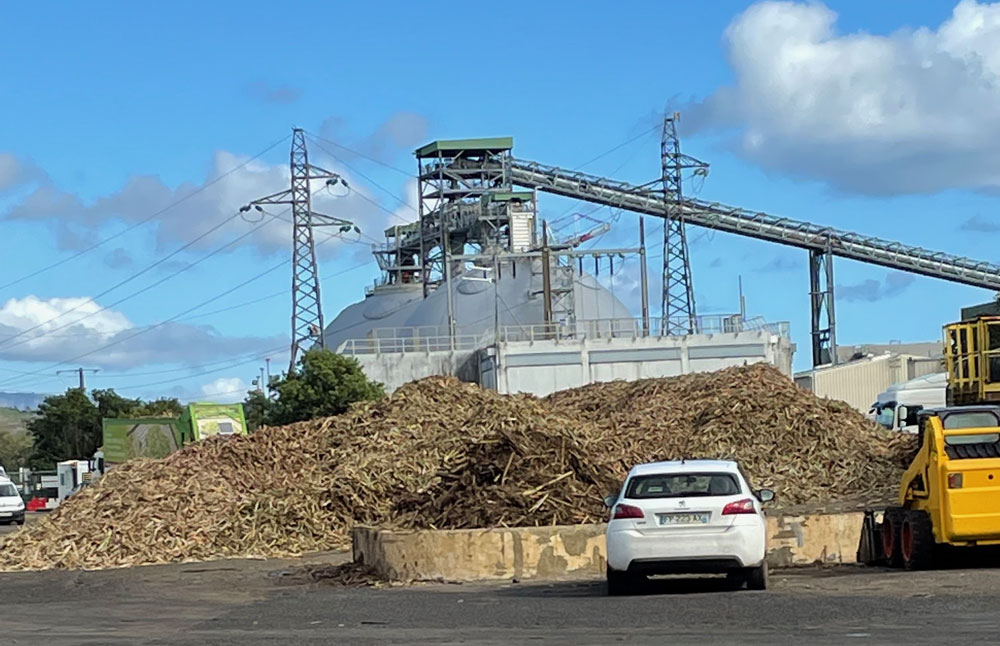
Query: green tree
pixel 325 383
pixel 158 408
pixel 256 409
pixel 66 426
pixel 15 450
pixel 70 425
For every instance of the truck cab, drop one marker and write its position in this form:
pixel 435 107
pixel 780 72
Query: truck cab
pixel 897 407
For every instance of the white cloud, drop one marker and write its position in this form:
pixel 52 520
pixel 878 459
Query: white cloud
pixel 15 172
pixel 225 390
pixel 911 112
pixel 217 197
pixel 82 327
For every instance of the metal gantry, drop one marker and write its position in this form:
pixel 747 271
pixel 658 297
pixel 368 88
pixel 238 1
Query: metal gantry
pixel 678 303
pixel 307 307
pixel 823 319
pixel 822 242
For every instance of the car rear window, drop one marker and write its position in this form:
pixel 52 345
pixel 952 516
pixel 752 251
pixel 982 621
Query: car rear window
pixel 682 485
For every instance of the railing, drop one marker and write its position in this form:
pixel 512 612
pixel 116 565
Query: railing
pixel 379 345
pixel 633 328
pixel 435 338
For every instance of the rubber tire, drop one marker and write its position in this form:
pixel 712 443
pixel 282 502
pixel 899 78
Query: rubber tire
pixel 917 540
pixel 892 524
pixel 619 583
pixel 757 577
pixel 736 579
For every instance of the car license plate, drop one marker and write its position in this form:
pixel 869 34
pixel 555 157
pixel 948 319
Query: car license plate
pixel 6 514
pixel 689 518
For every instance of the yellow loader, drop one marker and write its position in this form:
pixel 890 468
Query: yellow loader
pixel 949 496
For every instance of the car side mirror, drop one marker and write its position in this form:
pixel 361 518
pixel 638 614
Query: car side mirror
pixel 609 501
pixel 765 495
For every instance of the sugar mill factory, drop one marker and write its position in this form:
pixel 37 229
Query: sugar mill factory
pixel 480 289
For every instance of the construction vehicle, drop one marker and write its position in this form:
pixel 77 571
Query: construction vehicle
pixel 972 360
pixel 950 494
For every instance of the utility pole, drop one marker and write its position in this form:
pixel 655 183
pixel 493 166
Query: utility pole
pixel 307 309
pixel 546 280
pixel 677 305
pixel 79 371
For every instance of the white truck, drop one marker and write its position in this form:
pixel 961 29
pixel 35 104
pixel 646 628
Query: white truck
pixel 896 407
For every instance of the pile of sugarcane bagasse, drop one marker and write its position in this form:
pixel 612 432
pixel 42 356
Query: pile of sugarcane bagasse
pixel 439 453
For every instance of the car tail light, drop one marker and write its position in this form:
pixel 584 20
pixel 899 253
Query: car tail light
pixel 744 506
pixel 954 480
pixel 628 511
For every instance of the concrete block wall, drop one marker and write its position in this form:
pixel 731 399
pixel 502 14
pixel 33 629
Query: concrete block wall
pixel 571 551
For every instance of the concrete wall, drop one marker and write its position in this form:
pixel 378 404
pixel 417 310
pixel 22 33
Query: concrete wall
pixel 552 553
pixel 544 366
pixel 394 369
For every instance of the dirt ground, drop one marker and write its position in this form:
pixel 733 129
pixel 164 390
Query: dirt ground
pixel 249 602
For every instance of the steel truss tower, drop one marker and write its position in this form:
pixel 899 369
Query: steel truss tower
pixel 677 306
pixel 307 307
pixel 824 329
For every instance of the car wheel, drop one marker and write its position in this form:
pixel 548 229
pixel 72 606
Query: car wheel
pixel 19 522
pixel 619 583
pixel 736 579
pixel 757 577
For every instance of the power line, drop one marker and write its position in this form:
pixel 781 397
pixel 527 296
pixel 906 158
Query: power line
pixel 283 292
pixel 618 147
pixel 372 182
pixel 115 286
pixel 104 308
pixel 230 366
pixel 157 325
pixel 147 219
pixel 359 154
pixel 144 330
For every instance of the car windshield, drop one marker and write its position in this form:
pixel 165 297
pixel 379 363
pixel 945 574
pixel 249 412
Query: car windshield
pixel 682 485
pixel 7 490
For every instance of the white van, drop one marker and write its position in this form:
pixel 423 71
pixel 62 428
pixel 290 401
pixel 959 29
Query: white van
pixel 896 407
pixel 11 504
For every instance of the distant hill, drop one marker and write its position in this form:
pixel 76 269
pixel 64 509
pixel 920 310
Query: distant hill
pixel 21 401
pixel 14 421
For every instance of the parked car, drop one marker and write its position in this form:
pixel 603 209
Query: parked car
pixel 11 504
pixel 686 517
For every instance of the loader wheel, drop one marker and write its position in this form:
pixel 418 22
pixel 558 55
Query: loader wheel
pixel 917 541
pixel 892 526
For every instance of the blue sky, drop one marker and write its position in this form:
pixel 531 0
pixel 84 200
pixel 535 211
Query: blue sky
pixel 871 117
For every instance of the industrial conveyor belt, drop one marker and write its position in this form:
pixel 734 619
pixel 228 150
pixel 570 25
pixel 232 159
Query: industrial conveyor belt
pixel 894 255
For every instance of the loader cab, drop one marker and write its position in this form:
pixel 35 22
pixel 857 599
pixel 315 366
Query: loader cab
pixel 961 473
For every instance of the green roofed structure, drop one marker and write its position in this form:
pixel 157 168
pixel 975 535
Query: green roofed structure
pixel 451 147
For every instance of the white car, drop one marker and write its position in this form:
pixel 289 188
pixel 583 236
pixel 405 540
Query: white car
pixel 11 504
pixel 693 516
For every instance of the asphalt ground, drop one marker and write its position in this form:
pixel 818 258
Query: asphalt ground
pixel 252 603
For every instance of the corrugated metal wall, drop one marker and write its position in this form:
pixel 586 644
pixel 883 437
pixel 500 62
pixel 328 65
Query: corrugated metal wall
pixel 858 383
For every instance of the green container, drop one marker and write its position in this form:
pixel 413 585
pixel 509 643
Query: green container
pixel 205 420
pixel 149 437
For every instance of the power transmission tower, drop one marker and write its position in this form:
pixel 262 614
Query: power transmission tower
pixel 677 306
pixel 307 308
pixel 79 371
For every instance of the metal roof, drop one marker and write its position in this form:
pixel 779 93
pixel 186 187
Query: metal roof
pixel 458 145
